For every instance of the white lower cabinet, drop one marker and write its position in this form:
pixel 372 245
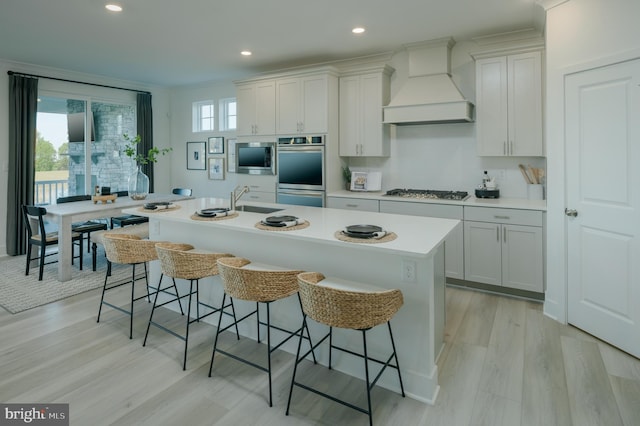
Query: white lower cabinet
pixel 353 204
pixel 261 188
pixel 504 247
pixel 454 244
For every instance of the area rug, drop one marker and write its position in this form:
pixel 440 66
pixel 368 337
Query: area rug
pixel 19 292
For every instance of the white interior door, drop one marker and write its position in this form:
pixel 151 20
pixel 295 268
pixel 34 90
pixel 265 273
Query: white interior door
pixel 603 202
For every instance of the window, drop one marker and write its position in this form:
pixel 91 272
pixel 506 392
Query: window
pixel 204 116
pixel 79 143
pixel 228 114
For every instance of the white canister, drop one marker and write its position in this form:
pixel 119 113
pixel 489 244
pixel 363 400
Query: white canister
pixel 535 191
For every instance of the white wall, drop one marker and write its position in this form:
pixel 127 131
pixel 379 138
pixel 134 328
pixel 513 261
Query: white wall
pixel 580 34
pixel 161 122
pixel 182 99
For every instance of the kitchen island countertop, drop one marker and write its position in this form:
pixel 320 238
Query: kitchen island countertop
pixel 413 262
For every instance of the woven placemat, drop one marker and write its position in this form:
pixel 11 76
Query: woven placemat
pixel 229 216
pixel 389 237
pixel 168 209
pixel 259 225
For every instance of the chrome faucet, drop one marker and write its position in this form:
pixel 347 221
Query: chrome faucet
pixel 235 196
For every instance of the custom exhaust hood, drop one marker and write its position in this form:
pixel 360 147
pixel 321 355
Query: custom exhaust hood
pixel 429 95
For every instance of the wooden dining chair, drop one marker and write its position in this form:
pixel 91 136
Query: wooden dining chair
pixel 87 227
pixel 43 239
pixel 127 219
pixel 182 191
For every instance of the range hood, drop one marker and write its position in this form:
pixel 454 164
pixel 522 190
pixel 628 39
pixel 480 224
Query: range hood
pixel 429 95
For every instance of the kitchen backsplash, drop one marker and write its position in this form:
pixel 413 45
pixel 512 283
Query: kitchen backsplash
pixel 443 156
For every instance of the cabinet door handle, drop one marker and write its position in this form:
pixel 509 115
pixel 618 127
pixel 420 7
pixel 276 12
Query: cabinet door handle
pixel 504 148
pixel 510 147
pixel 495 216
pixel 354 206
pixel 497 233
pixel 504 235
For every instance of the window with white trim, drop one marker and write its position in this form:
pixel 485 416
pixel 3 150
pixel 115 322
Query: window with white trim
pixel 204 117
pixel 228 114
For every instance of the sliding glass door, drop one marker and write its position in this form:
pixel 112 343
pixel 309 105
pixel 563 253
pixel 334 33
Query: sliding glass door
pixel 79 146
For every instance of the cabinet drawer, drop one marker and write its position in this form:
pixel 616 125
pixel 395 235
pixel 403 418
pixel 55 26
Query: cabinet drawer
pixel 261 188
pixel 443 211
pixel 508 216
pixel 263 197
pixel 258 183
pixel 352 204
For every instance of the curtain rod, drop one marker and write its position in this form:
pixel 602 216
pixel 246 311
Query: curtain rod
pixel 75 81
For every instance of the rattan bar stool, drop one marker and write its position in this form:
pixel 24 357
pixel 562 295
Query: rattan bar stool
pixel 141 230
pixel 128 250
pixel 260 284
pixel 344 304
pixel 184 262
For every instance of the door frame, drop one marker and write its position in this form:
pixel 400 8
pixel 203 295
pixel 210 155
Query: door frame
pixel 556 295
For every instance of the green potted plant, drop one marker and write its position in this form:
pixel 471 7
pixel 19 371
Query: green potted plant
pixel 131 151
pixel 346 174
pixel 138 181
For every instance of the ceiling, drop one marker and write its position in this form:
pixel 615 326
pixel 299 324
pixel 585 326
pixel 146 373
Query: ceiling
pixel 172 43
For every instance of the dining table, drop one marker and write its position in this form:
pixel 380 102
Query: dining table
pixel 63 215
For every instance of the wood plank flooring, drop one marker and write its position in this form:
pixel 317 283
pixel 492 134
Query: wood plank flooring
pixel 504 364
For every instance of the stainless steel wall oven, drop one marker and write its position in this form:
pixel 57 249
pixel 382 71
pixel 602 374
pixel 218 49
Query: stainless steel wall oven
pixel 301 177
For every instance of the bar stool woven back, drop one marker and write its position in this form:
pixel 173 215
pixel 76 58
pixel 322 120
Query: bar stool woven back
pixel 183 261
pixel 335 304
pixel 180 260
pixel 259 284
pixel 346 309
pixel 127 250
pixel 256 285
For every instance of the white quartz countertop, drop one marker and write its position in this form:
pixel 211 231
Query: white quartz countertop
pixel 416 236
pixel 504 203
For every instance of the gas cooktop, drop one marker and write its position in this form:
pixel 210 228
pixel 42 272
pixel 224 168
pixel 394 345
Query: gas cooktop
pixel 428 194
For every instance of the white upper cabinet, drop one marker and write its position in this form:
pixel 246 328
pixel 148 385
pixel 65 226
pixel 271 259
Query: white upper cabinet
pixel 362 97
pixel 509 105
pixel 256 108
pixel 302 105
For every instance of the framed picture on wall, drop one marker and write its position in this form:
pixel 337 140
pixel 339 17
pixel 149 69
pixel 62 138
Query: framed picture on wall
pixel 216 145
pixel 216 168
pixel 196 155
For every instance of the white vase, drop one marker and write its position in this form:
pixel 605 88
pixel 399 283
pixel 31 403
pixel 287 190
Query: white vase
pixel 138 185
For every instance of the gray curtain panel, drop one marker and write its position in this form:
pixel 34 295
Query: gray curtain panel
pixel 145 130
pixel 23 107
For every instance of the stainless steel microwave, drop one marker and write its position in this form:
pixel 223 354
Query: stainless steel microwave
pixel 256 158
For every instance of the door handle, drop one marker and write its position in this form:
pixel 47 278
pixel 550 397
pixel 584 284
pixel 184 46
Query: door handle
pixel 571 212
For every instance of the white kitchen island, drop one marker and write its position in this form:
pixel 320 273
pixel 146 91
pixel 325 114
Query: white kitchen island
pixel 413 262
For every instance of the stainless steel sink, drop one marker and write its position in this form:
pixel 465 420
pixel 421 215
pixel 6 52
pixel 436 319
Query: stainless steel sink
pixel 257 209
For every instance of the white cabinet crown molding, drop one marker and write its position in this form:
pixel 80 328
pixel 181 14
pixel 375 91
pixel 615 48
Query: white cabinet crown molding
pixel 508 43
pixel 367 69
pixel 292 72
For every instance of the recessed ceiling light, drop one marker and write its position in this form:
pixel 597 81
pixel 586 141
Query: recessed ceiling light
pixel 113 7
pixel 358 30
pixel 246 53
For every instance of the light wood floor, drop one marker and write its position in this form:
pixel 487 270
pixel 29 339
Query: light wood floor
pixel 504 364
